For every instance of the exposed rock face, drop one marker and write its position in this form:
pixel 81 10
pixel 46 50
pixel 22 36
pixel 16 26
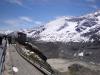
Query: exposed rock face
pixel 65 29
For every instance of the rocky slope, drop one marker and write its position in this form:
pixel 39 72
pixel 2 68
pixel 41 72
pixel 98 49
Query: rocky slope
pixel 65 29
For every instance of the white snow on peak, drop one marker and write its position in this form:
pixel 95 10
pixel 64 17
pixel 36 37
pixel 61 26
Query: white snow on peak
pixel 6 32
pixel 66 29
pixel 54 25
pixel 60 30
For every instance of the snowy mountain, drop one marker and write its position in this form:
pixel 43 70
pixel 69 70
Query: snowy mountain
pixel 5 32
pixel 65 29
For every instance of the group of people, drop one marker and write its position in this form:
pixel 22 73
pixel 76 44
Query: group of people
pixel 6 38
pixel 1 38
pixel 9 40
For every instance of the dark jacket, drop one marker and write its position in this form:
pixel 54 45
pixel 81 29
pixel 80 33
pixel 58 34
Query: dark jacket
pixel 1 40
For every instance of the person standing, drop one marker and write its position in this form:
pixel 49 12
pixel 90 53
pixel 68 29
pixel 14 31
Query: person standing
pixel 9 40
pixel 1 40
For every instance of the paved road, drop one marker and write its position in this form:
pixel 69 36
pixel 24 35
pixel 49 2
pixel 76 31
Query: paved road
pixel 19 65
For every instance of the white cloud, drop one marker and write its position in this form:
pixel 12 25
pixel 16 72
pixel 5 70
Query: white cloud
pixel 18 21
pixel 91 1
pixel 18 2
pixel 26 19
pixel 45 0
pixel 94 6
pixel 22 2
pixel 38 22
pixel 22 21
pixel 11 22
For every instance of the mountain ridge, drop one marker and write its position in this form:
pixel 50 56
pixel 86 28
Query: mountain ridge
pixel 67 29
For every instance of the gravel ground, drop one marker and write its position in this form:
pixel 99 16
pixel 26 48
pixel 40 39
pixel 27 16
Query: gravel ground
pixel 63 64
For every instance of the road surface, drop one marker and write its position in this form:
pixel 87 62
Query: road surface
pixel 18 65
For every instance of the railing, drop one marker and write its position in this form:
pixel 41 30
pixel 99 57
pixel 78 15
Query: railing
pixel 40 64
pixel 2 55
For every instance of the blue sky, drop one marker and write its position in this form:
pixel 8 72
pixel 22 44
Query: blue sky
pixel 20 14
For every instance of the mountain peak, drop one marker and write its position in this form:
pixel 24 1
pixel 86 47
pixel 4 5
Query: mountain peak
pixel 67 29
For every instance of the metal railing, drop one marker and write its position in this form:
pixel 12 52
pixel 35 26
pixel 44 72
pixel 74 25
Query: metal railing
pixel 2 55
